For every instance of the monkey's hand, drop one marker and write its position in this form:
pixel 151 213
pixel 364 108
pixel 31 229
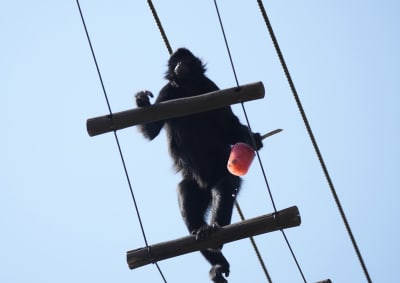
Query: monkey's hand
pixel 142 98
pixel 258 141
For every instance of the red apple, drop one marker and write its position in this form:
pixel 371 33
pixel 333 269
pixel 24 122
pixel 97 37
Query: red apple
pixel 240 159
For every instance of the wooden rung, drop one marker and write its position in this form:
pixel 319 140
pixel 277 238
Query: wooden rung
pixel 174 108
pixel 286 218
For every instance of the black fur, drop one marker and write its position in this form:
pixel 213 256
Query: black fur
pixel 200 145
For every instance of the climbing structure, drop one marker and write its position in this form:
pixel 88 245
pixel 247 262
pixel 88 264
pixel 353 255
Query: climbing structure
pixel 278 220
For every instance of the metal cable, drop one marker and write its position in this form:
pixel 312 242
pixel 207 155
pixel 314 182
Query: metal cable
pixel 258 156
pixel 254 244
pixel 116 138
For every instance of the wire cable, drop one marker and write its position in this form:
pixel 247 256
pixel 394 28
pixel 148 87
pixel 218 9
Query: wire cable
pixel 313 140
pixel 116 138
pixel 253 243
pixel 258 156
pixel 242 104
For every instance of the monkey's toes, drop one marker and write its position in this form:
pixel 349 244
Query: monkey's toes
pixel 205 231
pixel 217 271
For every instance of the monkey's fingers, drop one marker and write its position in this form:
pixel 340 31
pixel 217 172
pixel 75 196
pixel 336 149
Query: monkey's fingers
pixel 142 98
pixel 144 93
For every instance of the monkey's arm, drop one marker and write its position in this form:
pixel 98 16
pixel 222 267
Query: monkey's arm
pixel 149 130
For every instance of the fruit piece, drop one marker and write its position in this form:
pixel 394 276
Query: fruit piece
pixel 240 159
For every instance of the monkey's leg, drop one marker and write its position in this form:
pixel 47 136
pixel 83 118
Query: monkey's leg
pixel 193 203
pixel 223 199
pixel 220 266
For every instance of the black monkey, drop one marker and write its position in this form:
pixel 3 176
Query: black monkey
pixel 200 145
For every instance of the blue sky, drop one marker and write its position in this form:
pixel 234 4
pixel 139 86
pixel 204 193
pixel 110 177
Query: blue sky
pixel 66 213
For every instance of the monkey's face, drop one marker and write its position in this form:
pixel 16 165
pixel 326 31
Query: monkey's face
pixel 183 66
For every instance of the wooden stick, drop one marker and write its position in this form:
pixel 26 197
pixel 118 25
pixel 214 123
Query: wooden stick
pixel 267 135
pixel 174 108
pixel 286 218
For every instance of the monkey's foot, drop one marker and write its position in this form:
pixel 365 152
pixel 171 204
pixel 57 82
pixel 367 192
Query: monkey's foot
pixel 205 231
pixel 217 271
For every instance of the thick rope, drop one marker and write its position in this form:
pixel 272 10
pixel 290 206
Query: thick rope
pixel 159 25
pixel 313 140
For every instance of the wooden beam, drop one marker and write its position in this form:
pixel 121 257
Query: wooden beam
pixel 174 108
pixel 286 218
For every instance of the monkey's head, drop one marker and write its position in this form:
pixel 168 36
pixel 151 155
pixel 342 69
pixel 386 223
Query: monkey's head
pixel 184 67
